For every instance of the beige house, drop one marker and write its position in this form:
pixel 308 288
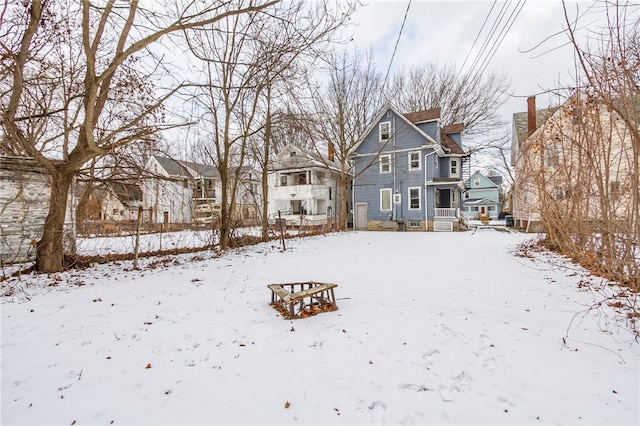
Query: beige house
pixel 576 159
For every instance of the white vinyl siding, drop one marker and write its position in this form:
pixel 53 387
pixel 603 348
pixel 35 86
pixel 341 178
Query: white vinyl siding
pixel 385 199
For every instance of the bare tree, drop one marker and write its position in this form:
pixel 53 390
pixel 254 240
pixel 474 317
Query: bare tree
pixel 473 100
pixel 343 109
pixel 110 45
pixel 250 64
pixel 581 166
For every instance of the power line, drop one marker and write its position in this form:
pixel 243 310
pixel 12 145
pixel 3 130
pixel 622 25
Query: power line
pixel 384 82
pixel 511 20
pixel 489 37
pixel 476 40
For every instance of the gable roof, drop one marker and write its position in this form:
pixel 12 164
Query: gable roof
pixel 184 168
pixel 294 157
pixel 495 179
pixel 171 166
pixel 382 112
pixel 453 128
pixel 423 116
pixel 487 179
pixel 129 194
pixel 451 145
pixel 520 122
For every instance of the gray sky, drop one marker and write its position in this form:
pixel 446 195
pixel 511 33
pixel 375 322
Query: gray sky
pixel 444 31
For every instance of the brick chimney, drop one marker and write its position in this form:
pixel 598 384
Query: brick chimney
pixel 330 153
pixel 531 115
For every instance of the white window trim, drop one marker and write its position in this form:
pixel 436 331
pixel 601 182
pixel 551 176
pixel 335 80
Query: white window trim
pixel 457 166
pixel 389 163
pixel 390 199
pixel 419 160
pixel 380 126
pixel 419 198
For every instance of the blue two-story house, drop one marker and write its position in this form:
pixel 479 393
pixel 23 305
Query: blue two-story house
pixel 408 173
pixel 481 200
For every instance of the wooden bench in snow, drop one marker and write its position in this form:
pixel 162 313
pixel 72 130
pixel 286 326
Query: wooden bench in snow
pixel 303 299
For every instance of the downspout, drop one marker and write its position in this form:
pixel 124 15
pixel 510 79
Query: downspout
pixel 393 166
pixel 426 194
pixel 352 167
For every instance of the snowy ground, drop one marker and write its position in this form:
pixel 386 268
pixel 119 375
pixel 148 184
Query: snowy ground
pixel 432 328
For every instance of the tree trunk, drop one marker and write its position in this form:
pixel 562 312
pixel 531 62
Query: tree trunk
pixel 342 224
pixel 265 171
pixel 49 250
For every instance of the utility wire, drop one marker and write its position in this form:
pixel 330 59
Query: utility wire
pixel 476 40
pixel 489 37
pixel 384 82
pixel 502 35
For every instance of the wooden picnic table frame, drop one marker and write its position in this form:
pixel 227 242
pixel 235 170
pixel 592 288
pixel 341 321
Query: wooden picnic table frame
pixel 289 296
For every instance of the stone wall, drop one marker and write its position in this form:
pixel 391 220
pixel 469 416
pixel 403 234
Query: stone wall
pixel 24 204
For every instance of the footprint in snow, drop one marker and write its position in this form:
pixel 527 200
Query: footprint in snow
pixel 377 410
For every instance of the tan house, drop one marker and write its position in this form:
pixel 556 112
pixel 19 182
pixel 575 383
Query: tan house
pixel 575 160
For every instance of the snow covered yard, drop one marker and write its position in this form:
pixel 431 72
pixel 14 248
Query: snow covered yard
pixel 432 328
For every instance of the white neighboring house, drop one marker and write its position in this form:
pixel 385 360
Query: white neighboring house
pixel 174 189
pixel 302 188
pixel 25 192
pixel 186 192
pixel 120 202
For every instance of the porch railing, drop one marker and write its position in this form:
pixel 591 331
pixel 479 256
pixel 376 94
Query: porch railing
pixel 446 213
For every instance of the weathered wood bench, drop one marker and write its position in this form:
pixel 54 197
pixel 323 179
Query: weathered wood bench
pixel 289 296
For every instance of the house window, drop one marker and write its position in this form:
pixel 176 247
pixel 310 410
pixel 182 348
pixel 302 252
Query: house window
pixel 491 208
pixel 302 179
pixel 466 195
pixel 454 167
pixel 283 180
pixel 384 130
pixel 414 198
pixel 474 208
pixel 385 199
pixel 330 194
pixel 476 182
pixel 414 160
pixel 385 164
pixel 551 156
pixel 614 189
pixel 414 224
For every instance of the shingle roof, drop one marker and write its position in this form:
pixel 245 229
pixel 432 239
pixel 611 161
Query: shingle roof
pixel 171 166
pixel 495 179
pixel 449 143
pixel 181 168
pixel 422 116
pixel 453 128
pixel 128 193
pixel 521 126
